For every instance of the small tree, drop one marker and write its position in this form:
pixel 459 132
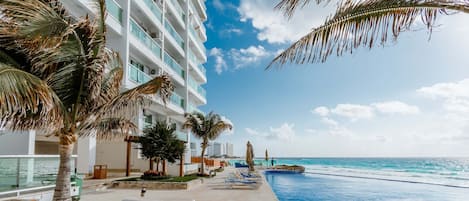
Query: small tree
pixel 207 128
pixel 160 143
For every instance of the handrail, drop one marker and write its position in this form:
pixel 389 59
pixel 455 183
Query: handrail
pixel 173 64
pixel 174 33
pixel 153 44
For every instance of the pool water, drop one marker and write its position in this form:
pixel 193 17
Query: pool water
pixel 308 186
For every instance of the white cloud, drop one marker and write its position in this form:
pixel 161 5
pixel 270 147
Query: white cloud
pixel 222 6
pixel 232 30
pixel 321 111
pixel 253 54
pixel 284 132
pixel 225 119
pixel 310 130
pixel 220 63
pixel 447 90
pixel 251 131
pixel 395 107
pixel 272 24
pixel 329 122
pixel 353 111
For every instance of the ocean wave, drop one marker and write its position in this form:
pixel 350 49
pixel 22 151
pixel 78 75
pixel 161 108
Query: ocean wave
pixel 437 178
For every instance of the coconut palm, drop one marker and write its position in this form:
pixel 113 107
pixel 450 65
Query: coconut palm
pixel 159 142
pixel 361 23
pixel 207 128
pixel 57 77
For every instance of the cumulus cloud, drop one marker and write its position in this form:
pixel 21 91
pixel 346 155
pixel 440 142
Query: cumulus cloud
pixel 273 26
pixel 395 107
pixel 321 111
pixel 247 56
pixel 284 132
pixel 222 6
pixel 225 119
pixel 220 63
pixel 447 90
pixel 353 111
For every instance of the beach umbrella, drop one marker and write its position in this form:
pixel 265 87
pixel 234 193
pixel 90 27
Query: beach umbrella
pixel 266 157
pixel 250 156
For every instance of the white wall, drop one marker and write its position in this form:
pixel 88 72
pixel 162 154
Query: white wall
pixel 17 143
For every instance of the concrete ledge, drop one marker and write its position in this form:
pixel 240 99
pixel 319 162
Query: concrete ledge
pixel 156 185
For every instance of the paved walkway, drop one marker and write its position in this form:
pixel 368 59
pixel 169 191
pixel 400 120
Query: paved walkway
pixel 209 190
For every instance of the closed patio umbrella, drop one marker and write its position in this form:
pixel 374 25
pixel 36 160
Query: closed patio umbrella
pixel 250 156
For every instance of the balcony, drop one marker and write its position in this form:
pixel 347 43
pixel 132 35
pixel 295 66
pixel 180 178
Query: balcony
pixel 145 38
pixel 179 11
pixel 174 34
pixel 114 9
pixel 174 65
pixel 177 100
pixel 198 67
pixel 196 87
pixel 193 109
pixel 197 41
pixel 155 9
pixel 137 75
pixel 181 136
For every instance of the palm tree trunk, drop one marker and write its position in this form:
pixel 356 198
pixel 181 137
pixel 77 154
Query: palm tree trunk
pixel 202 161
pixel 62 187
pixel 157 165
pixel 152 162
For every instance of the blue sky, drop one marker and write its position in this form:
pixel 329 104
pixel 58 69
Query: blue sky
pixel 410 98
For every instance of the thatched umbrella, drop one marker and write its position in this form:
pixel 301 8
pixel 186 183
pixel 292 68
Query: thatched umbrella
pixel 250 156
pixel 266 158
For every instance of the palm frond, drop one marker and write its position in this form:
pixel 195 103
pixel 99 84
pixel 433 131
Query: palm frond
pixel 128 103
pixel 27 102
pixel 362 23
pixel 288 7
pixel 110 86
pixel 108 128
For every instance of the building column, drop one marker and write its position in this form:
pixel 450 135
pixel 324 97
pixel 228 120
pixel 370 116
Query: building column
pixel 86 151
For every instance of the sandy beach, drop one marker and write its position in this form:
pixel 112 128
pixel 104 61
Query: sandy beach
pixel 210 190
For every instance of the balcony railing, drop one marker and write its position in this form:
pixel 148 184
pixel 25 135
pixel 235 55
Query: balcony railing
pixel 114 9
pixel 177 100
pixel 202 69
pixel 173 64
pixel 193 84
pixel 195 61
pixel 197 39
pixel 174 33
pixel 181 136
pixel 193 108
pixel 137 75
pixel 155 9
pixel 145 38
pixel 28 171
pixel 179 10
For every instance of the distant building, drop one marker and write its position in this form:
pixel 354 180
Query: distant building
pixel 229 150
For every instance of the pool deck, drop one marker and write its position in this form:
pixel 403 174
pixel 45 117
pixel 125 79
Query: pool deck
pixel 210 190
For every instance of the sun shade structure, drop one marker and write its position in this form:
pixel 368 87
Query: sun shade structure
pixel 250 156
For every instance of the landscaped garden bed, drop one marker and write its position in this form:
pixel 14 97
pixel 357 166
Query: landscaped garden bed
pixel 158 182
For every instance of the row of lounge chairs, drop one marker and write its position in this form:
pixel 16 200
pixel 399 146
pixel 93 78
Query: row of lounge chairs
pixel 243 179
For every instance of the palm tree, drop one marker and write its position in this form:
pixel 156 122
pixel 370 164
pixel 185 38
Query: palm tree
pixel 159 142
pixel 57 76
pixel 207 128
pixel 360 23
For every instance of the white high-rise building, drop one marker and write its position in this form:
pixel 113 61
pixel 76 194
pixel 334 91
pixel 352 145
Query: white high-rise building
pixel 152 37
pixel 229 150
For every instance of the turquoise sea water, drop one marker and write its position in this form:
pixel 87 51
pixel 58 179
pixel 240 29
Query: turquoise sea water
pixel 390 179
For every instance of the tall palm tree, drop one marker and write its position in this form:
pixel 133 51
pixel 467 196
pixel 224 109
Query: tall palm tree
pixel 207 128
pixel 57 76
pixel 360 23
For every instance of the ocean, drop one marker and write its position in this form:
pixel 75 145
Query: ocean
pixel 383 179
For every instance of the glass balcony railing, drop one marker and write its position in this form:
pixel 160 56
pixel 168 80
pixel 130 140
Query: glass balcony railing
pixel 195 61
pixel 174 33
pixel 155 9
pixel 137 75
pixel 145 38
pixel 193 109
pixel 28 171
pixel 197 39
pixel 177 100
pixel 194 85
pixel 173 64
pixel 202 69
pixel 114 10
pixel 179 10
pixel 181 136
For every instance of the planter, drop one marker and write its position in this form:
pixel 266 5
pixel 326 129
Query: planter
pixel 156 185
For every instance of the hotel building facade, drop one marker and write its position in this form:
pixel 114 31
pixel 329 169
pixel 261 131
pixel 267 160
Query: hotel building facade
pixel 152 37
